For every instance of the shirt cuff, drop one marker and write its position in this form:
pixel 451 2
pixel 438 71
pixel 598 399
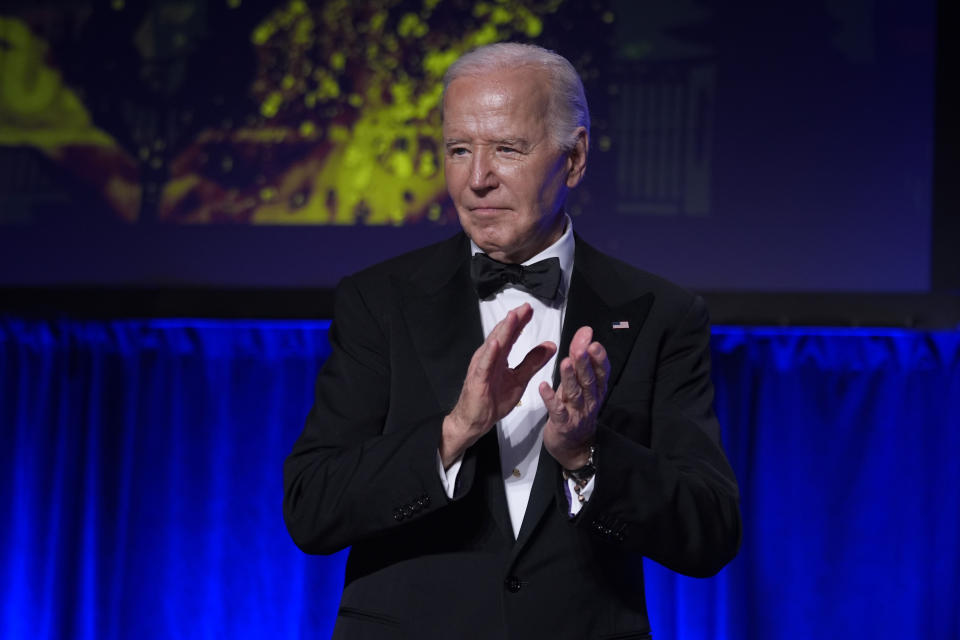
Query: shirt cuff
pixel 448 477
pixel 576 499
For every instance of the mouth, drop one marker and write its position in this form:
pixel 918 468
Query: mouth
pixel 487 211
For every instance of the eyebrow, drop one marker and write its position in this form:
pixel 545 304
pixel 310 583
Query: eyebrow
pixel 508 142
pixel 520 143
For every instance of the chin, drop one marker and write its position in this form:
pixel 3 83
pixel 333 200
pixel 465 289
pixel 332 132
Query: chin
pixel 486 236
pixel 486 245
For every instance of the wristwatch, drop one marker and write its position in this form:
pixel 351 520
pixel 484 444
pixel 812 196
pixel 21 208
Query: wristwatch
pixel 582 475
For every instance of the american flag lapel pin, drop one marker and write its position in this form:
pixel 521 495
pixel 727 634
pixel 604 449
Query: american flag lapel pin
pixel 621 324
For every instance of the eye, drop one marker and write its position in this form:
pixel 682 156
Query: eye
pixel 506 149
pixel 457 151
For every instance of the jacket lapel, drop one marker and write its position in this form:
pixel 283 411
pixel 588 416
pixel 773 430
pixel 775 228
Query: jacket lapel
pixel 443 317
pixel 601 300
pixel 598 299
pixel 489 474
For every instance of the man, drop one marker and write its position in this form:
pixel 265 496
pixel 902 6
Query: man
pixel 489 487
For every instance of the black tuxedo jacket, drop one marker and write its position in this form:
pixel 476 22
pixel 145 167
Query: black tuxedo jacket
pixel 364 471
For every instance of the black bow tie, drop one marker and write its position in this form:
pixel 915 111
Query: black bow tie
pixel 542 279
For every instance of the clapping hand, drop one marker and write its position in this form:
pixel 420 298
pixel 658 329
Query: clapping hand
pixel 492 388
pixel 572 409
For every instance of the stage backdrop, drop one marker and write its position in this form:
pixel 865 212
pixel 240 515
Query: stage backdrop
pixel 290 142
pixel 140 484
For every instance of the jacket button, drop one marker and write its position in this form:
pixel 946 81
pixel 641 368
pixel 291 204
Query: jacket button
pixel 513 584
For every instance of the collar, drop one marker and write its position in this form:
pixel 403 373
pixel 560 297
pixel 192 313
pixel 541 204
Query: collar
pixel 561 249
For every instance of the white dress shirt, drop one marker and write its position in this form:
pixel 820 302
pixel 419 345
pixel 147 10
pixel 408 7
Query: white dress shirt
pixel 520 432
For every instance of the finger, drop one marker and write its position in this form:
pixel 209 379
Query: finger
pixel 580 341
pixel 485 358
pixel 551 400
pixel 586 374
pixel 504 333
pixel 571 393
pixel 524 312
pixel 504 328
pixel 534 361
pixel 578 354
pixel 601 366
pixel 508 330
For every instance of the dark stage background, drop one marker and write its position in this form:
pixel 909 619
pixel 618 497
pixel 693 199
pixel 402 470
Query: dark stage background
pixel 142 484
pixel 748 145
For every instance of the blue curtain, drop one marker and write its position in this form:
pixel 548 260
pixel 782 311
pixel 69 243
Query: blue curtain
pixel 141 484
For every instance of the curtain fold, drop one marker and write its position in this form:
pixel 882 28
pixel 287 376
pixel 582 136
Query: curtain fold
pixel 141 484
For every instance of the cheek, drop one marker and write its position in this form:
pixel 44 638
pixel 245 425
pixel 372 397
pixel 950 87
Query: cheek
pixel 454 176
pixel 553 184
pixel 526 180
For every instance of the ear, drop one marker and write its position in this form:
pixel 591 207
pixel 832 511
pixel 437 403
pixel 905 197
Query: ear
pixel 577 158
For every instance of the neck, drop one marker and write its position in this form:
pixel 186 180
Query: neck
pixel 554 233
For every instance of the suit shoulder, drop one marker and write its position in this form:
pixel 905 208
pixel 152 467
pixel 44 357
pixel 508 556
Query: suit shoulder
pixel 381 286
pixel 634 282
pixel 411 264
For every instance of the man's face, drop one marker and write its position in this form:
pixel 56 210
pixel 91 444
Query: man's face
pixel 507 178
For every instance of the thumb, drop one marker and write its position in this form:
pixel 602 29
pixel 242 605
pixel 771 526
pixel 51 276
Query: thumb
pixel 534 361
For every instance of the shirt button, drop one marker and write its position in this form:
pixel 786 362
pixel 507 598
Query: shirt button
pixel 513 584
pixel 516 473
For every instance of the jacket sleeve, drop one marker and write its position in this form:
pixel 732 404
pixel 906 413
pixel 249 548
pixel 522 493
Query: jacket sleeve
pixel 349 477
pixel 663 486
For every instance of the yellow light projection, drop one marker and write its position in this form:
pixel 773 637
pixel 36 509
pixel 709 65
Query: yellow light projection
pixel 345 130
pixel 376 160
pixel 38 110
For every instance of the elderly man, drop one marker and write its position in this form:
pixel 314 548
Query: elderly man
pixel 491 483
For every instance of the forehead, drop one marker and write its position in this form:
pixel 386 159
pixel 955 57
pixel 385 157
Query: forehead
pixel 498 103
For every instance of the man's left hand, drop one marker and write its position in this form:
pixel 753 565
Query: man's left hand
pixel 572 409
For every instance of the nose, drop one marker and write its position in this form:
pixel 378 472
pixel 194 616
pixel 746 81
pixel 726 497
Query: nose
pixel 483 175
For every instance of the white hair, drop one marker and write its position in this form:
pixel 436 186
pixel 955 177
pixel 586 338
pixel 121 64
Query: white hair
pixel 568 102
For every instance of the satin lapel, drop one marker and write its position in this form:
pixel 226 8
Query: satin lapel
pixel 488 469
pixel 542 492
pixel 598 302
pixel 443 318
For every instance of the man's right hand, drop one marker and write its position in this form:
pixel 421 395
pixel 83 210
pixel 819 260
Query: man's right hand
pixel 491 389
